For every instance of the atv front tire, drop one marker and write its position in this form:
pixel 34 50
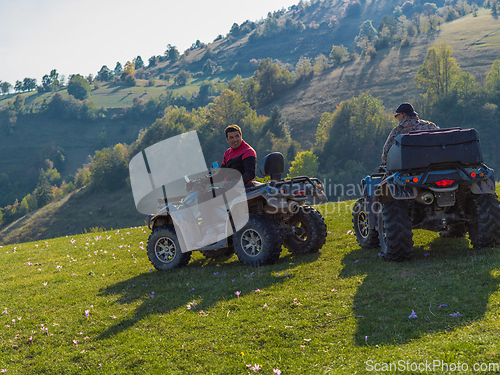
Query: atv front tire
pixel 485 230
pixel 164 250
pixel 310 232
pixel 395 231
pixel 367 237
pixel 258 242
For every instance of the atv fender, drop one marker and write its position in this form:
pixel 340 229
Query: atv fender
pixel 389 189
pixel 486 186
pixel 162 217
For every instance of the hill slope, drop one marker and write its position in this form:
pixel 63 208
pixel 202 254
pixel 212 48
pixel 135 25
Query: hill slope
pixel 76 213
pixel 93 304
pixel 390 76
pixel 325 23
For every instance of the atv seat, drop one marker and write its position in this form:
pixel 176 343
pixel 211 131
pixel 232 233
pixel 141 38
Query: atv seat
pixel 273 165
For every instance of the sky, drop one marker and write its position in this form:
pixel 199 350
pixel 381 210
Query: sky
pixel 80 36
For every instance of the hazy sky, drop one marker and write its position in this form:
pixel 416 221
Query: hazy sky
pixel 80 36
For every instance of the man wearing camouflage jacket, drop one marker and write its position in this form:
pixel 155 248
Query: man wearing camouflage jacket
pixel 408 122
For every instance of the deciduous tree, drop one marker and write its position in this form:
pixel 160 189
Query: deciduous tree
pixel 438 72
pixel 465 86
pixel 303 69
pixel 355 131
pixel 273 81
pixel 18 87
pixel 129 68
pixel 79 87
pixel 249 92
pixel 305 164
pixel 109 169
pixel 182 78
pixel 29 84
pixel 153 60
pixel 172 53
pixel 209 67
pixel 493 79
pixel 338 55
pixel 5 87
pixel 105 74
pixel 227 109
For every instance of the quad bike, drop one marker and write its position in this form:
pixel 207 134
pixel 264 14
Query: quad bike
pixel 270 215
pixel 433 180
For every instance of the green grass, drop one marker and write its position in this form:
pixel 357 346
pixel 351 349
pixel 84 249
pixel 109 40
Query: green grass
pixel 325 313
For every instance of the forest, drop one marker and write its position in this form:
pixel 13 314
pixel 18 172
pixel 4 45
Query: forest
pixel 348 141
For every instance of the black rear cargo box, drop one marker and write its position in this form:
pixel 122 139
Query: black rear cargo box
pixel 419 149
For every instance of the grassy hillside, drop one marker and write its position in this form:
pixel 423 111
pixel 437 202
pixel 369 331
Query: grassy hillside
pixel 21 151
pixel 79 212
pixel 341 311
pixel 390 76
pixel 115 95
pixel 325 25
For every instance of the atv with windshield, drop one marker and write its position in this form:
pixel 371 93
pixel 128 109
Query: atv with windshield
pixel 270 215
pixel 434 180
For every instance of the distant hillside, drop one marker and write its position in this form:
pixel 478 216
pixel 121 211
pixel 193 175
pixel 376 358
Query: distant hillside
pixel 390 76
pixel 76 213
pixel 326 24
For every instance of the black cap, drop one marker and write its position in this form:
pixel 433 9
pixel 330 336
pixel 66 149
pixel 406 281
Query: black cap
pixel 407 109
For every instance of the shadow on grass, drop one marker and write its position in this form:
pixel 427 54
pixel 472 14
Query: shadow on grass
pixel 208 281
pixel 441 279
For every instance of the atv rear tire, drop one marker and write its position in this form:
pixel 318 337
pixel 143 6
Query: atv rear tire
pixel 164 250
pixel 310 232
pixel 395 231
pixel 367 237
pixel 258 242
pixel 485 230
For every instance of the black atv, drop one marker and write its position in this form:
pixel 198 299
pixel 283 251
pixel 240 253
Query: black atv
pixel 433 180
pixel 278 213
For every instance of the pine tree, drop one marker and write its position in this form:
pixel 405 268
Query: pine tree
pixel 43 190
